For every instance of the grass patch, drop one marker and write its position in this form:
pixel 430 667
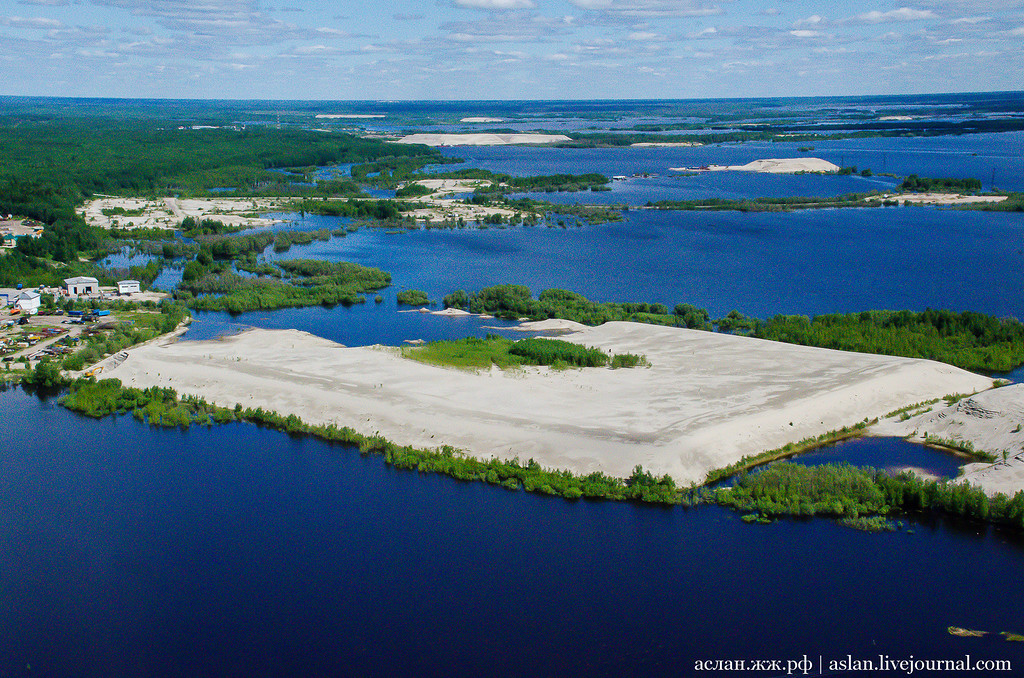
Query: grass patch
pixel 470 353
pixel 473 353
pixel 870 524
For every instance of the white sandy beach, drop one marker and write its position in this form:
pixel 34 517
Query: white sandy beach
pixel 707 400
pixel 481 139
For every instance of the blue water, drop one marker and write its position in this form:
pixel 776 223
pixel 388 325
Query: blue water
pixel 888 454
pixel 241 551
pixel 723 185
pixel 360 325
pixel 807 262
pixel 967 156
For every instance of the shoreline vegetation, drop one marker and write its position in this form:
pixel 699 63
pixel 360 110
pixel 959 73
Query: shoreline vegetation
pixel 841 491
pixel 969 340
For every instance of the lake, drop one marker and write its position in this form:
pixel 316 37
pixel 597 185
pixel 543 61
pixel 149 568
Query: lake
pixel 236 550
pixel 241 551
pixel 805 262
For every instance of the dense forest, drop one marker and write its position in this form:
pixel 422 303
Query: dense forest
pixel 969 340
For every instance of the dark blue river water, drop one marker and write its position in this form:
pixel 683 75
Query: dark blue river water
pixel 239 551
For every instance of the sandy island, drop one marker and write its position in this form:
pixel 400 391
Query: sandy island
pixel 707 400
pixel 769 166
pixel 481 139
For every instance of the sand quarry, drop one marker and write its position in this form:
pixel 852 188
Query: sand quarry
pixel 169 212
pixel 482 139
pixel 992 421
pixel 706 401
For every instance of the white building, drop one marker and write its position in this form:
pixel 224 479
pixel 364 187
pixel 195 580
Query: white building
pixel 28 301
pixel 128 287
pixel 82 285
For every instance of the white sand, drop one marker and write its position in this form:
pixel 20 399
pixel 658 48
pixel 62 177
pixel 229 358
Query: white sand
pixel 941 198
pixel 169 212
pixel 770 166
pixel 707 400
pixel 481 139
pixel 441 206
pixel 665 144
pixel 992 421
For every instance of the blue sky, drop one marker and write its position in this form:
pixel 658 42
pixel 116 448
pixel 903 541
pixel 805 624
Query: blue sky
pixel 507 49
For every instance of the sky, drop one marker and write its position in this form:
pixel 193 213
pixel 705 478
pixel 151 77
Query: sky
pixel 507 49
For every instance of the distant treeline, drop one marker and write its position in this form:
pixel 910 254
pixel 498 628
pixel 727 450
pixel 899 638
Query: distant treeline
pixel 83 159
pixel 970 340
pixel 549 183
pixel 769 204
pixel 516 301
pixel 918 184
pixel 383 210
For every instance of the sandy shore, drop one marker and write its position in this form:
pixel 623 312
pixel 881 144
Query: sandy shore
pixel 940 198
pixel 481 139
pixel 665 144
pixel 707 400
pixel 441 205
pixel 992 421
pixel 169 212
pixel 769 166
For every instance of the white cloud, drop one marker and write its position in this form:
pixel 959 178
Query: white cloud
pixel 496 4
pixel 650 8
pixel 901 14
pixel 972 20
pixel 30 22
pixel 804 33
pixel 812 20
pixel 643 36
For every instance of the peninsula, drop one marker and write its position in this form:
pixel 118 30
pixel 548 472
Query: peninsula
pixel 706 401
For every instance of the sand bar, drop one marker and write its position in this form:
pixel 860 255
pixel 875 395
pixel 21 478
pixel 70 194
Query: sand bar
pixel 940 198
pixel 707 400
pixel 769 166
pixel 481 139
